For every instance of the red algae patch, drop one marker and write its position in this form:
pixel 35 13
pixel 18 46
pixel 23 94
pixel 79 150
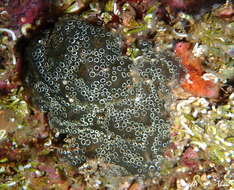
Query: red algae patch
pixel 195 80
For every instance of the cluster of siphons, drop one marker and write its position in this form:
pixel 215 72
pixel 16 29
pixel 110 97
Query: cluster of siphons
pixel 109 106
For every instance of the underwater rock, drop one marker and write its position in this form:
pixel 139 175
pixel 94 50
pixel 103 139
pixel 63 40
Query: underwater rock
pixel 108 106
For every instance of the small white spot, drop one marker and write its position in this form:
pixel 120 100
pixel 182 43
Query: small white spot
pixel 210 76
pixel 20 126
pixel 2 134
pixel 12 119
pixel 187 77
pixel 199 50
pixel 65 82
pixel 71 100
pixel 137 99
pixel 57 134
pixel 28 166
pixel 48 143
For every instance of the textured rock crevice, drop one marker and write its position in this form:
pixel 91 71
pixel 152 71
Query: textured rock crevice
pixel 109 106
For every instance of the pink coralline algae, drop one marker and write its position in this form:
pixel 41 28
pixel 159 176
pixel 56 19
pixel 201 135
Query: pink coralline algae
pixel 190 158
pixel 191 6
pixel 181 4
pixel 5 86
pixel 26 12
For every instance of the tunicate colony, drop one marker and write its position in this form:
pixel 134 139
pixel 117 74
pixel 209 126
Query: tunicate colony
pixel 107 105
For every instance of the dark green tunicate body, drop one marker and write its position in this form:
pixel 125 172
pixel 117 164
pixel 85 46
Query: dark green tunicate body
pixel 108 106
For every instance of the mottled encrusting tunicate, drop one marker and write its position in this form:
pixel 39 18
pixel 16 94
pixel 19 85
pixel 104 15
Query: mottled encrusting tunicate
pixel 109 106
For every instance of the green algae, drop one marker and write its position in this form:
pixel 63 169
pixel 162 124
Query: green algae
pixel 15 102
pixel 211 130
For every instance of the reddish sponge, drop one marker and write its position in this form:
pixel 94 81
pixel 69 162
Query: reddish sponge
pixel 193 82
pixel 197 86
pixel 191 63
